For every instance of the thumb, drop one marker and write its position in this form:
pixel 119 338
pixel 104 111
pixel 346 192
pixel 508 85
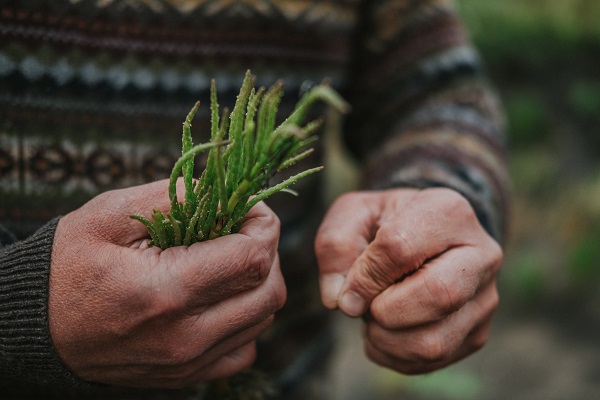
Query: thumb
pixel 111 211
pixel 385 261
pixel 343 235
pixel 414 228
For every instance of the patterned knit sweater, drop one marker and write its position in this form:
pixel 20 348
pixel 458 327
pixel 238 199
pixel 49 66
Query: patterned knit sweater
pixel 93 93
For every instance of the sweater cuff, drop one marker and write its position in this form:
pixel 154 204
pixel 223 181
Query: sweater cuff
pixel 27 357
pixel 428 167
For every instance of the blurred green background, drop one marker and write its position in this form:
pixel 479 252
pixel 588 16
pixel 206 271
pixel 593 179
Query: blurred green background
pixel 544 58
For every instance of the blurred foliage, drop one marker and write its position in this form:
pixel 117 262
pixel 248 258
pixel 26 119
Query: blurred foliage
pixel 534 173
pixel 446 384
pixel 542 57
pixel 527 116
pixel 449 383
pixel 526 278
pixel 584 249
pixel 507 28
pixel 585 259
pixel 584 98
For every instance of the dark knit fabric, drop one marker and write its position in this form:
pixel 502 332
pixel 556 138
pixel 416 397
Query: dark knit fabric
pixel 26 351
pixel 93 94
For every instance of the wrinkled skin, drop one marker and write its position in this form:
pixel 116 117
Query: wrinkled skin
pixel 124 313
pixel 419 268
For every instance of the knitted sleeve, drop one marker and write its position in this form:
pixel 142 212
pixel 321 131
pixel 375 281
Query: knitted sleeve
pixel 423 113
pixel 26 353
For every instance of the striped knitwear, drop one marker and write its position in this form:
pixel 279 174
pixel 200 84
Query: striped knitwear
pixel 93 93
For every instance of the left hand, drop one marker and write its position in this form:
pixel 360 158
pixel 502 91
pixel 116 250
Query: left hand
pixel 418 266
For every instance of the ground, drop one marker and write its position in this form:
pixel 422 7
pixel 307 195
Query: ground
pixel 538 354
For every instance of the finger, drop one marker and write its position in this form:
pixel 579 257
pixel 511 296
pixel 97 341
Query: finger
pixel 247 308
pixel 228 365
pixel 345 232
pixel 224 355
pixel 175 364
pixel 215 334
pixel 207 272
pixel 442 286
pixel 394 253
pixel 439 337
pixel 117 206
pixel 439 341
pixel 432 223
pixel 157 297
pixel 473 342
pixel 229 344
pixel 169 377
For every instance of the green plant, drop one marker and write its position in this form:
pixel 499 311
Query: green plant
pixel 246 149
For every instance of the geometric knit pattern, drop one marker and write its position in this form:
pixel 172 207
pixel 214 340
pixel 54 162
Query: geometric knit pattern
pixel 139 65
pixel 93 94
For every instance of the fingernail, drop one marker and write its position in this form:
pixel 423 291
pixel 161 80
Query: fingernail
pixel 331 286
pixel 352 304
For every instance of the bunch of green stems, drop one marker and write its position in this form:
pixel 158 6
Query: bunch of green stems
pixel 246 149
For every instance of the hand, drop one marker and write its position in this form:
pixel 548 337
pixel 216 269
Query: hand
pixel 421 267
pixel 124 313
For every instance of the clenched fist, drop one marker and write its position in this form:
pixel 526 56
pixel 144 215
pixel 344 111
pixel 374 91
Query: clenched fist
pixel 420 269
pixel 124 313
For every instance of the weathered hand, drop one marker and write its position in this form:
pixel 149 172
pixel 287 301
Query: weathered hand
pixel 418 266
pixel 127 314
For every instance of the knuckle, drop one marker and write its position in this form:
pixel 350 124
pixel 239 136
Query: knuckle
pixel 271 299
pixel 397 246
pixel 495 254
pixel 494 300
pixel 155 299
pixel 245 358
pixel 444 297
pixel 431 348
pixel 104 198
pixel 258 262
pixel 272 222
pixel 164 303
pixel 453 202
pixel 479 339
pixel 176 353
pixel 277 298
pixel 327 242
pixel 113 200
pixel 383 313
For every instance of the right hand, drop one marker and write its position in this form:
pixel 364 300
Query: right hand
pixel 124 313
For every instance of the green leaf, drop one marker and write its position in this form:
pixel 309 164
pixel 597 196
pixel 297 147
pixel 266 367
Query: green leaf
pixel 245 150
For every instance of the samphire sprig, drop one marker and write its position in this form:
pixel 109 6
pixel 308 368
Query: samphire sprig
pixel 246 149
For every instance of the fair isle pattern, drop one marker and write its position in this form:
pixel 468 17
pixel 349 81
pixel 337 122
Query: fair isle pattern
pixel 139 65
pixel 93 93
